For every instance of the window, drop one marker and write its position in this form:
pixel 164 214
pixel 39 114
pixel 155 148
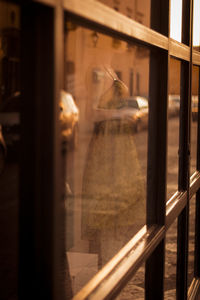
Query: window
pixel 87 154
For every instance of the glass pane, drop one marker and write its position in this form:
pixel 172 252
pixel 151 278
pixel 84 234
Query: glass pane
pixel 173 127
pixel 170 262
pixel 196 25
pixel 194 105
pixel 191 240
pixel 176 20
pixel 135 287
pixel 9 146
pixel 104 118
pixel 138 10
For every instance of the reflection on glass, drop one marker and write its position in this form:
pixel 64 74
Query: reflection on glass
pixel 134 288
pixel 138 10
pixel 176 20
pixel 104 118
pixel 196 25
pixel 173 127
pixel 194 108
pixel 170 262
pixel 191 240
pixel 9 146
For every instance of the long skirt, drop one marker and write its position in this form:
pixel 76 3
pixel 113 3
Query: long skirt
pixel 113 194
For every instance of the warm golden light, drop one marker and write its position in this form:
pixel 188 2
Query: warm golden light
pixel 196 23
pixel 176 19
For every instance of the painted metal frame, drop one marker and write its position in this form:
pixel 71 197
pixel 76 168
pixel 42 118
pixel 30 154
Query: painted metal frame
pixel 43 250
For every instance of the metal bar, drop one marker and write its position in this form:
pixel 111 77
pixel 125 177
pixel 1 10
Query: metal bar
pixel 198 128
pixel 52 3
pixel 105 16
pixel 178 201
pixel 194 183
pixel 32 262
pixel 182 239
pixel 156 176
pixel 174 207
pixel 161 23
pixel 157 145
pixel 194 288
pixel 127 261
pixel 197 213
pixel 121 24
pixel 178 50
pixel 113 277
pixel 61 279
pixel 184 154
pixel 40 190
pixel 197 237
pixel 184 126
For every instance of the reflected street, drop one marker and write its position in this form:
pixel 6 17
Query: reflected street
pixel 111 240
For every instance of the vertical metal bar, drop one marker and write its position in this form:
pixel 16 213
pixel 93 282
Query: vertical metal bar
pixel 182 236
pixel 62 282
pixel 197 214
pixel 156 174
pixel 197 237
pixel 41 240
pixel 157 151
pixel 159 16
pixel 184 154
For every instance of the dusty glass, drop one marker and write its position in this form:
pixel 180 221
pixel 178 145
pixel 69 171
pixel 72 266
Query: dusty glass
pixel 173 127
pixel 135 288
pixel 170 262
pixel 104 120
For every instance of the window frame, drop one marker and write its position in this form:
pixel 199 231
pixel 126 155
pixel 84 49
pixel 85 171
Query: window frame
pixel 148 245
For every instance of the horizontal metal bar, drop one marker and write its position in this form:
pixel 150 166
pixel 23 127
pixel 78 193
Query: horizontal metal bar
pixel 174 207
pixel 136 251
pixel 52 3
pixel 194 183
pixel 179 50
pixel 196 57
pixel 126 262
pixel 178 201
pixel 103 15
pixel 194 289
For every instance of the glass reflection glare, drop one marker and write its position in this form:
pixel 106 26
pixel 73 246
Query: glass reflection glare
pixel 105 177
pixel 176 20
pixel 196 23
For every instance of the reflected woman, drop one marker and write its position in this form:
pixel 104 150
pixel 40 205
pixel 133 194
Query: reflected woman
pixel 113 195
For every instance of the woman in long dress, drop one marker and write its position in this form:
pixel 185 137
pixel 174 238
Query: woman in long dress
pixel 113 195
